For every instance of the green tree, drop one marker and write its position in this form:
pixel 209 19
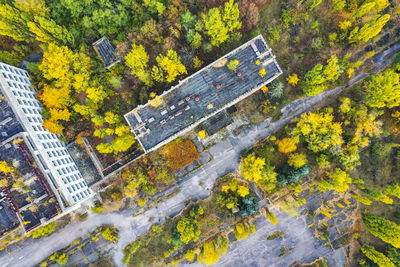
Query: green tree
pixel 386 230
pixel 188 229
pixel 47 31
pixel 188 20
pixel 155 6
pixel 314 81
pixel 215 27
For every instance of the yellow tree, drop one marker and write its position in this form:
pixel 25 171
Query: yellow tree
pixel 5 168
pixel 171 65
pixel 231 16
pixel 251 168
pixel 377 257
pixel 137 60
pixel 53 126
pixel 383 90
pixel 297 160
pixel 287 144
pixel 319 130
pixel 293 79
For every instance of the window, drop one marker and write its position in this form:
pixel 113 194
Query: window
pixel 49 154
pixel 73 188
pixel 9 84
pixel 79 197
pixel 82 195
pixel 14 93
pixel 29 119
pixel 74 198
pixel 63 170
pixel 59 172
pixel 58 153
pixel 4 75
pixel 69 180
pixel 44 145
pixel 34 128
pixel 65 181
pixel 54 163
pixel 69 190
pixel 19 102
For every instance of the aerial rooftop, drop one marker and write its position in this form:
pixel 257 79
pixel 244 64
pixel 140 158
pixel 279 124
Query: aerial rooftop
pixel 106 52
pixel 9 125
pixel 203 94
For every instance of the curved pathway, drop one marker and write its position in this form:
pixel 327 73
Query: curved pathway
pixel 226 156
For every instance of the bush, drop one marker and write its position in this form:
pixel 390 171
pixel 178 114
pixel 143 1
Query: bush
pixel 248 205
pixel 232 65
pixel 97 209
pixel 290 174
pixel 110 234
pixel 42 231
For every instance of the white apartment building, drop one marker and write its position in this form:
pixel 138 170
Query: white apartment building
pixel 49 151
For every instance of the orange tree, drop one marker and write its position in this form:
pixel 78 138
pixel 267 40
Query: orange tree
pixel 180 153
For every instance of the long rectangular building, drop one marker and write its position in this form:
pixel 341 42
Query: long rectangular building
pixel 48 150
pixel 203 94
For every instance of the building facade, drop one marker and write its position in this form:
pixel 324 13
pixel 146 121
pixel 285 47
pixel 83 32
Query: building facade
pixel 49 151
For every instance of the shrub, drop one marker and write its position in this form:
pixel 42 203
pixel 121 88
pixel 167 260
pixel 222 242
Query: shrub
pixel 290 174
pixel 110 234
pixel 42 231
pixel 232 65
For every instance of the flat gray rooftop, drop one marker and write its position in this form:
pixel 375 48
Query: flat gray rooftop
pixel 203 94
pixel 9 125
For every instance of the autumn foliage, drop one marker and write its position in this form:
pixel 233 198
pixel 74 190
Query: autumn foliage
pixel 180 153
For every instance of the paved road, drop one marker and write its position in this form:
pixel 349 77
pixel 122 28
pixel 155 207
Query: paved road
pixel 257 251
pixel 226 156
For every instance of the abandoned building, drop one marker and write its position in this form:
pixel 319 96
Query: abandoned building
pixel 106 52
pixel 203 95
pixel 49 153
